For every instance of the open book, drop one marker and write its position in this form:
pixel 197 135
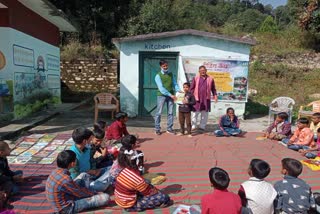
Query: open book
pixel 180 98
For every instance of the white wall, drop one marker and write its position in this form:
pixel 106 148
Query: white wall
pixel 30 63
pixel 187 46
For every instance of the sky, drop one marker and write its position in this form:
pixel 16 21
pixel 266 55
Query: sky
pixel 274 3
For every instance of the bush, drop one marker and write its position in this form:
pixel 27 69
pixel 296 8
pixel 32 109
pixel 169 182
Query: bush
pixel 75 50
pixel 282 43
pixel 269 26
pixel 248 21
pixel 33 103
pixel 37 95
pixel 6 117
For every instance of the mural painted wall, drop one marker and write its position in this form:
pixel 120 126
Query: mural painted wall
pixel 188 47
pixel 27 65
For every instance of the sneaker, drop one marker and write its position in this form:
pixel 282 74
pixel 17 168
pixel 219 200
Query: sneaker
pixel 171 132
pixel 282 143
pixel 180 134
pixel 158 133
pixel 189 135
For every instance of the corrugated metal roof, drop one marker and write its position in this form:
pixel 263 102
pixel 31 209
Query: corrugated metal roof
pixel 244 40
pixel 49 12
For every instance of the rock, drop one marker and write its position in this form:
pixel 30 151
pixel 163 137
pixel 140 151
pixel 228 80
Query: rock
pixel 314 96
pixel 252 92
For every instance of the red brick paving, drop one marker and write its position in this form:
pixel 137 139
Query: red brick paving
pixel 186 162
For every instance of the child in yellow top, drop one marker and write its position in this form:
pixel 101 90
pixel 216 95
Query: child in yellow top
pixel 315 124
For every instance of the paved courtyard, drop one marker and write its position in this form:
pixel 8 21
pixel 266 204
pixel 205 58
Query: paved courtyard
pixel 184 161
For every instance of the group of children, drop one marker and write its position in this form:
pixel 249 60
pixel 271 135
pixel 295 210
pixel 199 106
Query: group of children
pixel 305 139
pixel 291 195
pixel 106 159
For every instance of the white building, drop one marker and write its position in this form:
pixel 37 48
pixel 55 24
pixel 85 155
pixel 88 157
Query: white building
pixel 226 59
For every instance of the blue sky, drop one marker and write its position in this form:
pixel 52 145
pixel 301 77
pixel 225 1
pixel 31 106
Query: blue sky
pixel 274 3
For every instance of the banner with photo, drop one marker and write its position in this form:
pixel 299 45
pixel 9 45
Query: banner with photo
pixel 230 76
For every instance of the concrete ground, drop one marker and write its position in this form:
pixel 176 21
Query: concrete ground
pixel 84 116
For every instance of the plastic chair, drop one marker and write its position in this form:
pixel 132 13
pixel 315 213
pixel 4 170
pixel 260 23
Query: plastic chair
pixel 305 113
pixel 105 102
pixel 281 104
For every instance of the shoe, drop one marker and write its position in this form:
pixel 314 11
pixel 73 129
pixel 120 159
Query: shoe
pixel 201 130
pixel 180 134
pixel 282 143
pixel 158 133
pixel 189 135
pixel 211 134
pixel 171 132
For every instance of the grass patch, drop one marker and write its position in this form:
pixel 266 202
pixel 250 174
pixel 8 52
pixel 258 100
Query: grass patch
pixel 291 40
pixel 275 80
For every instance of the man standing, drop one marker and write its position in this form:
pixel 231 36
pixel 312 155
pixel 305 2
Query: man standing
pixel 166 84
pixel 202 86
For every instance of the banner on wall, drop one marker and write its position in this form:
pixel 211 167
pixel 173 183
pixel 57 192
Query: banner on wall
pixel 230 76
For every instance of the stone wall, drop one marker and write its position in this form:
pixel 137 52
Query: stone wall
pixel 90 75
pixel 300 60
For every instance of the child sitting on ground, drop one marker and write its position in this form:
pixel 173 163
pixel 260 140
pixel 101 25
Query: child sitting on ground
pixel 314 151
pixel 185 109
pixel 302 137
pixel 130 142
pixel 294 194
pixel 103 126
pixel 315 124
pixel 6 175
pixel 99 178
pixel 8 178
pixel 257 194
pixel 99 154
pixel 221 201
pixel 131 190
pixel 64 194
pixel 280 128
pixel 229 124
pixel 118 128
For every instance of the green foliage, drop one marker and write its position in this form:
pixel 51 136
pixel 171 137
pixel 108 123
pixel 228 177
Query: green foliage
pixel 284 42
pixel 23 110
pixel 34 102
pixel 75 50
pixel 248 21
pixel 309 19
pixel 6 117
pixel 268 26
pixel 232 29
pixel 255 108
pixel 283 17
pixel 166 15
pixel 37 95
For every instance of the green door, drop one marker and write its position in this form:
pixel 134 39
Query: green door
pixel 149 67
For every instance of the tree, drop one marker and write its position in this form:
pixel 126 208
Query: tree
pixel 282 16
pixel 248 21
pixel 310 18
pixel 269 26
pixel 268 9
pixel 166 15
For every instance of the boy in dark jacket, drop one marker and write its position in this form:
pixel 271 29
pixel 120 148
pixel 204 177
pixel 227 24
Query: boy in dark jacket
pixel 8 178
pixel 185 109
